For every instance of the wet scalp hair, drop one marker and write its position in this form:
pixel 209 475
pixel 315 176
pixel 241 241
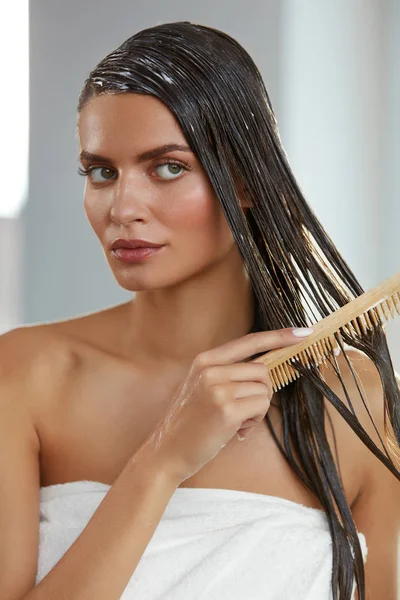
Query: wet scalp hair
pixel 216 93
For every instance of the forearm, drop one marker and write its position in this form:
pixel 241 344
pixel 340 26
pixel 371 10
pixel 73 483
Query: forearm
pixel 101 561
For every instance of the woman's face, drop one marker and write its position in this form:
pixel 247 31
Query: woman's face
pixel 130 196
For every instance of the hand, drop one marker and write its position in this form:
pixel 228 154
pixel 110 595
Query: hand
pixel 219 398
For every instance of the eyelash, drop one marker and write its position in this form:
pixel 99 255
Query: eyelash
pixel 166 161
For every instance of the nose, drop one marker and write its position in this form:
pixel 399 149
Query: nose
pixel 129 202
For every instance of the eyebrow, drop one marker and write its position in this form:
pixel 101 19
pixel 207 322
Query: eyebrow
pixel 159 151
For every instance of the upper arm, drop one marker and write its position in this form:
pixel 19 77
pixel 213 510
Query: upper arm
pixel 19 477
pixel 376 512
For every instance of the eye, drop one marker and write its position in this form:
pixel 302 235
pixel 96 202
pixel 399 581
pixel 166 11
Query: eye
pixel 92 170
pixel 172 169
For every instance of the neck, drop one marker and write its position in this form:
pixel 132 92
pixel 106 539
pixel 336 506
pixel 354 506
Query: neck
pixel 173 325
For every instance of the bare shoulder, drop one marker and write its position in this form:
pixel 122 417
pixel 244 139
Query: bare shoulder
pixel 98 330
pixel 376 510
pixel 36 360
pixel 358 372
pixel 26 348
pixel 33 360
pixel 372 415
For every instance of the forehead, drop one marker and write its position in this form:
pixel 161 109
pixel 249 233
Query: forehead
pixel 121 118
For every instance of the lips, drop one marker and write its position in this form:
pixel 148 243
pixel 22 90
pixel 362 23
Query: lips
pixel 134 255
pixel 132 244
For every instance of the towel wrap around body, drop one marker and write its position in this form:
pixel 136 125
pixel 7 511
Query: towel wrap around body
pixel 210 544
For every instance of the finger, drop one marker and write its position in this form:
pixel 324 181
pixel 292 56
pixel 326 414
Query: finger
pixel 252 388
pixel 238 372
pixel 250 344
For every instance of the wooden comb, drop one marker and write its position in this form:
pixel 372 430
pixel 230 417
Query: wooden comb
pixel 368 311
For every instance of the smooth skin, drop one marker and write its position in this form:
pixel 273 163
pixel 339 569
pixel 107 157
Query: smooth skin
pixel 79 398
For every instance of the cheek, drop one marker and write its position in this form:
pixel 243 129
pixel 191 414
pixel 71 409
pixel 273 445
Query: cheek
pixel 96 214
pixel 198 216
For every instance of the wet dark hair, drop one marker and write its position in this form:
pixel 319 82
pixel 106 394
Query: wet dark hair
pixel 214 89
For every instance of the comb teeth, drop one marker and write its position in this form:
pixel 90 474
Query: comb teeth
pixel 396 301
pixel 319 346
pixel 385 310
pixel 316 354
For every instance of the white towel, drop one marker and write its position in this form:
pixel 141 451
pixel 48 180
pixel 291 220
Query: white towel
pixel 211 544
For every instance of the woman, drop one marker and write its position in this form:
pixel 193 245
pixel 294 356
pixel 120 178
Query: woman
pixel 110 415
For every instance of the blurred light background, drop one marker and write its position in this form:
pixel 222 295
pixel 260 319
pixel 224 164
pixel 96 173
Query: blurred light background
pixel 331 69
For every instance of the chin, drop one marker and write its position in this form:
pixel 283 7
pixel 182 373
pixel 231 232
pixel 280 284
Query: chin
pixel 141 277
pixel 143 282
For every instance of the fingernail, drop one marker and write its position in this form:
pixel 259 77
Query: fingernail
pixel 240 437
pixel 336 351
pixel 302 331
